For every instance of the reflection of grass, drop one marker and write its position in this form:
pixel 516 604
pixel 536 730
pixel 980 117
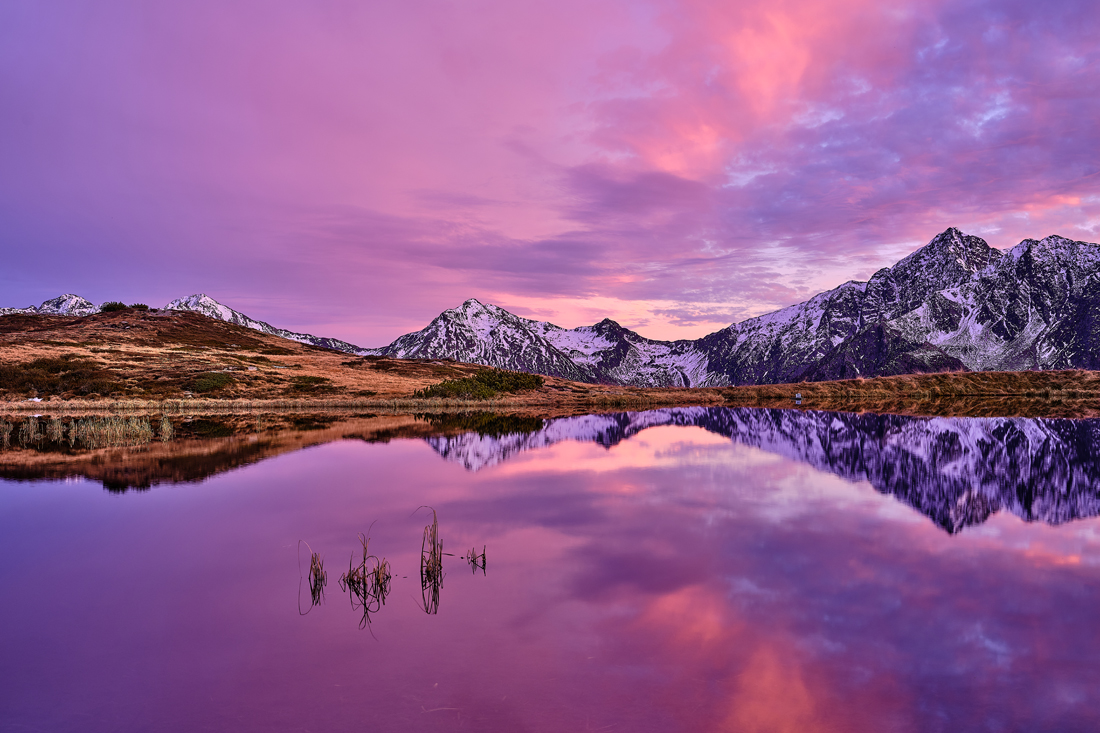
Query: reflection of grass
pixel 207 428
pixel 311 422
pixel 368 582
pixel 476 561
pixel 318 577
pixel 485 423
pixel 431 565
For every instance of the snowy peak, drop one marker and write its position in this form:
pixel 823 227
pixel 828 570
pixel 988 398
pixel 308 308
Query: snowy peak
pixel 955 303
pixel 68 305
pixel 204 304
pixel 63 305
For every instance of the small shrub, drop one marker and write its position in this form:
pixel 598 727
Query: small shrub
pixel 139 306
pixel 483 386
pixel 310 385
pixel 211 381
pixel 111 306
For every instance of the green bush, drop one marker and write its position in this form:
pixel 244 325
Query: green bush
pixel 483 385
pixel 211 381
pixel 139 306
pixel 310 385
pixel 112 305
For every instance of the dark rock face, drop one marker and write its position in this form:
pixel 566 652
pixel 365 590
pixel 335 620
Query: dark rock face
pixel 954 304
pixel 883 352
pixel 956 471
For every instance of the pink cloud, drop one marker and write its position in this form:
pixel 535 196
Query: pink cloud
pixel 362 166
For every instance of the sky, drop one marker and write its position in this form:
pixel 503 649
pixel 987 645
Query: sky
pixel 351 169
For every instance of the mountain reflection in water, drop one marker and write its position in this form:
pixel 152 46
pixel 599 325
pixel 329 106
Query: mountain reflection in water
pixel 957 471
pixel 710 577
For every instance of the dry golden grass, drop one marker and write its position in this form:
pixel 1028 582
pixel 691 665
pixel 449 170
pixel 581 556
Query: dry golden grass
pixel 1072 393
pixel 159 359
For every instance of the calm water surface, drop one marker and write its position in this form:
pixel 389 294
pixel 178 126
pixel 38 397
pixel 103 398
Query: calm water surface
pixel 695 570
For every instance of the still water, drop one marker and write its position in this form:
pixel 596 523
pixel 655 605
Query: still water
pixel 675 570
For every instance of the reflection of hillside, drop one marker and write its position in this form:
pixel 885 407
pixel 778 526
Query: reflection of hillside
pixel 957 471
pixel 180 461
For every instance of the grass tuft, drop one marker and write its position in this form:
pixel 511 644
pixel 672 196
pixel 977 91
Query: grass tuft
pixel 431 565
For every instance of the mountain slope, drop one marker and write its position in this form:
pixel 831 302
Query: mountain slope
pixel 203 303
pixel 62 305
pixel 954 304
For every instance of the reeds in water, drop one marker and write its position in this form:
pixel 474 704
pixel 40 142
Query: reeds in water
pixel 89 432
pixel 29 432
pixel 166 431
pixel 55 431
pixel 318 578
pixel 368 582
pixel 431 566
pixel 110 432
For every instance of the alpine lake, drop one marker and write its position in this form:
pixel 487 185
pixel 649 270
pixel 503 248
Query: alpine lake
pixel 682 569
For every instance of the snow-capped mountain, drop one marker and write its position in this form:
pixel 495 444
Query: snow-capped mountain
pixel 956 471
pixel 606 352
pixel 954 304
pixel 62 305
pixel 74 305
pixel 203 303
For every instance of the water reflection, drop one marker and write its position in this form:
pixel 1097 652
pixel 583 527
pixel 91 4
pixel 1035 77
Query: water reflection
pixel 676 581
pixel 957 471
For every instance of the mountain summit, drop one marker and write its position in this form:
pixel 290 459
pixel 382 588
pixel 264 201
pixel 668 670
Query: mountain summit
pixel 954 304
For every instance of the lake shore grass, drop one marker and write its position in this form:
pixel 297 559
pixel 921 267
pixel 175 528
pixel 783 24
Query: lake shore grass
pixel 1068 393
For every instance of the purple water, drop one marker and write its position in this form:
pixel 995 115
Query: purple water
pixel 676 580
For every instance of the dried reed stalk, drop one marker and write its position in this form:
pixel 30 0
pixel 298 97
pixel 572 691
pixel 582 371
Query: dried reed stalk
pixel 368 583
pixel 431 565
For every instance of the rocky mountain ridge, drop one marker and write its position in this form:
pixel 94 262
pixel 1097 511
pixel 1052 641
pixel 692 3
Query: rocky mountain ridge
pixel 203 303
pixel 954 304
pixel 956 471
pixel 74 305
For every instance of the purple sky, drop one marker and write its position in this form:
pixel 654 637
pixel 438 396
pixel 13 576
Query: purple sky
pixel 351 169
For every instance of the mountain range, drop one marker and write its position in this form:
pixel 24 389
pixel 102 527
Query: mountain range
pixel 954 304
pixel 956 471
